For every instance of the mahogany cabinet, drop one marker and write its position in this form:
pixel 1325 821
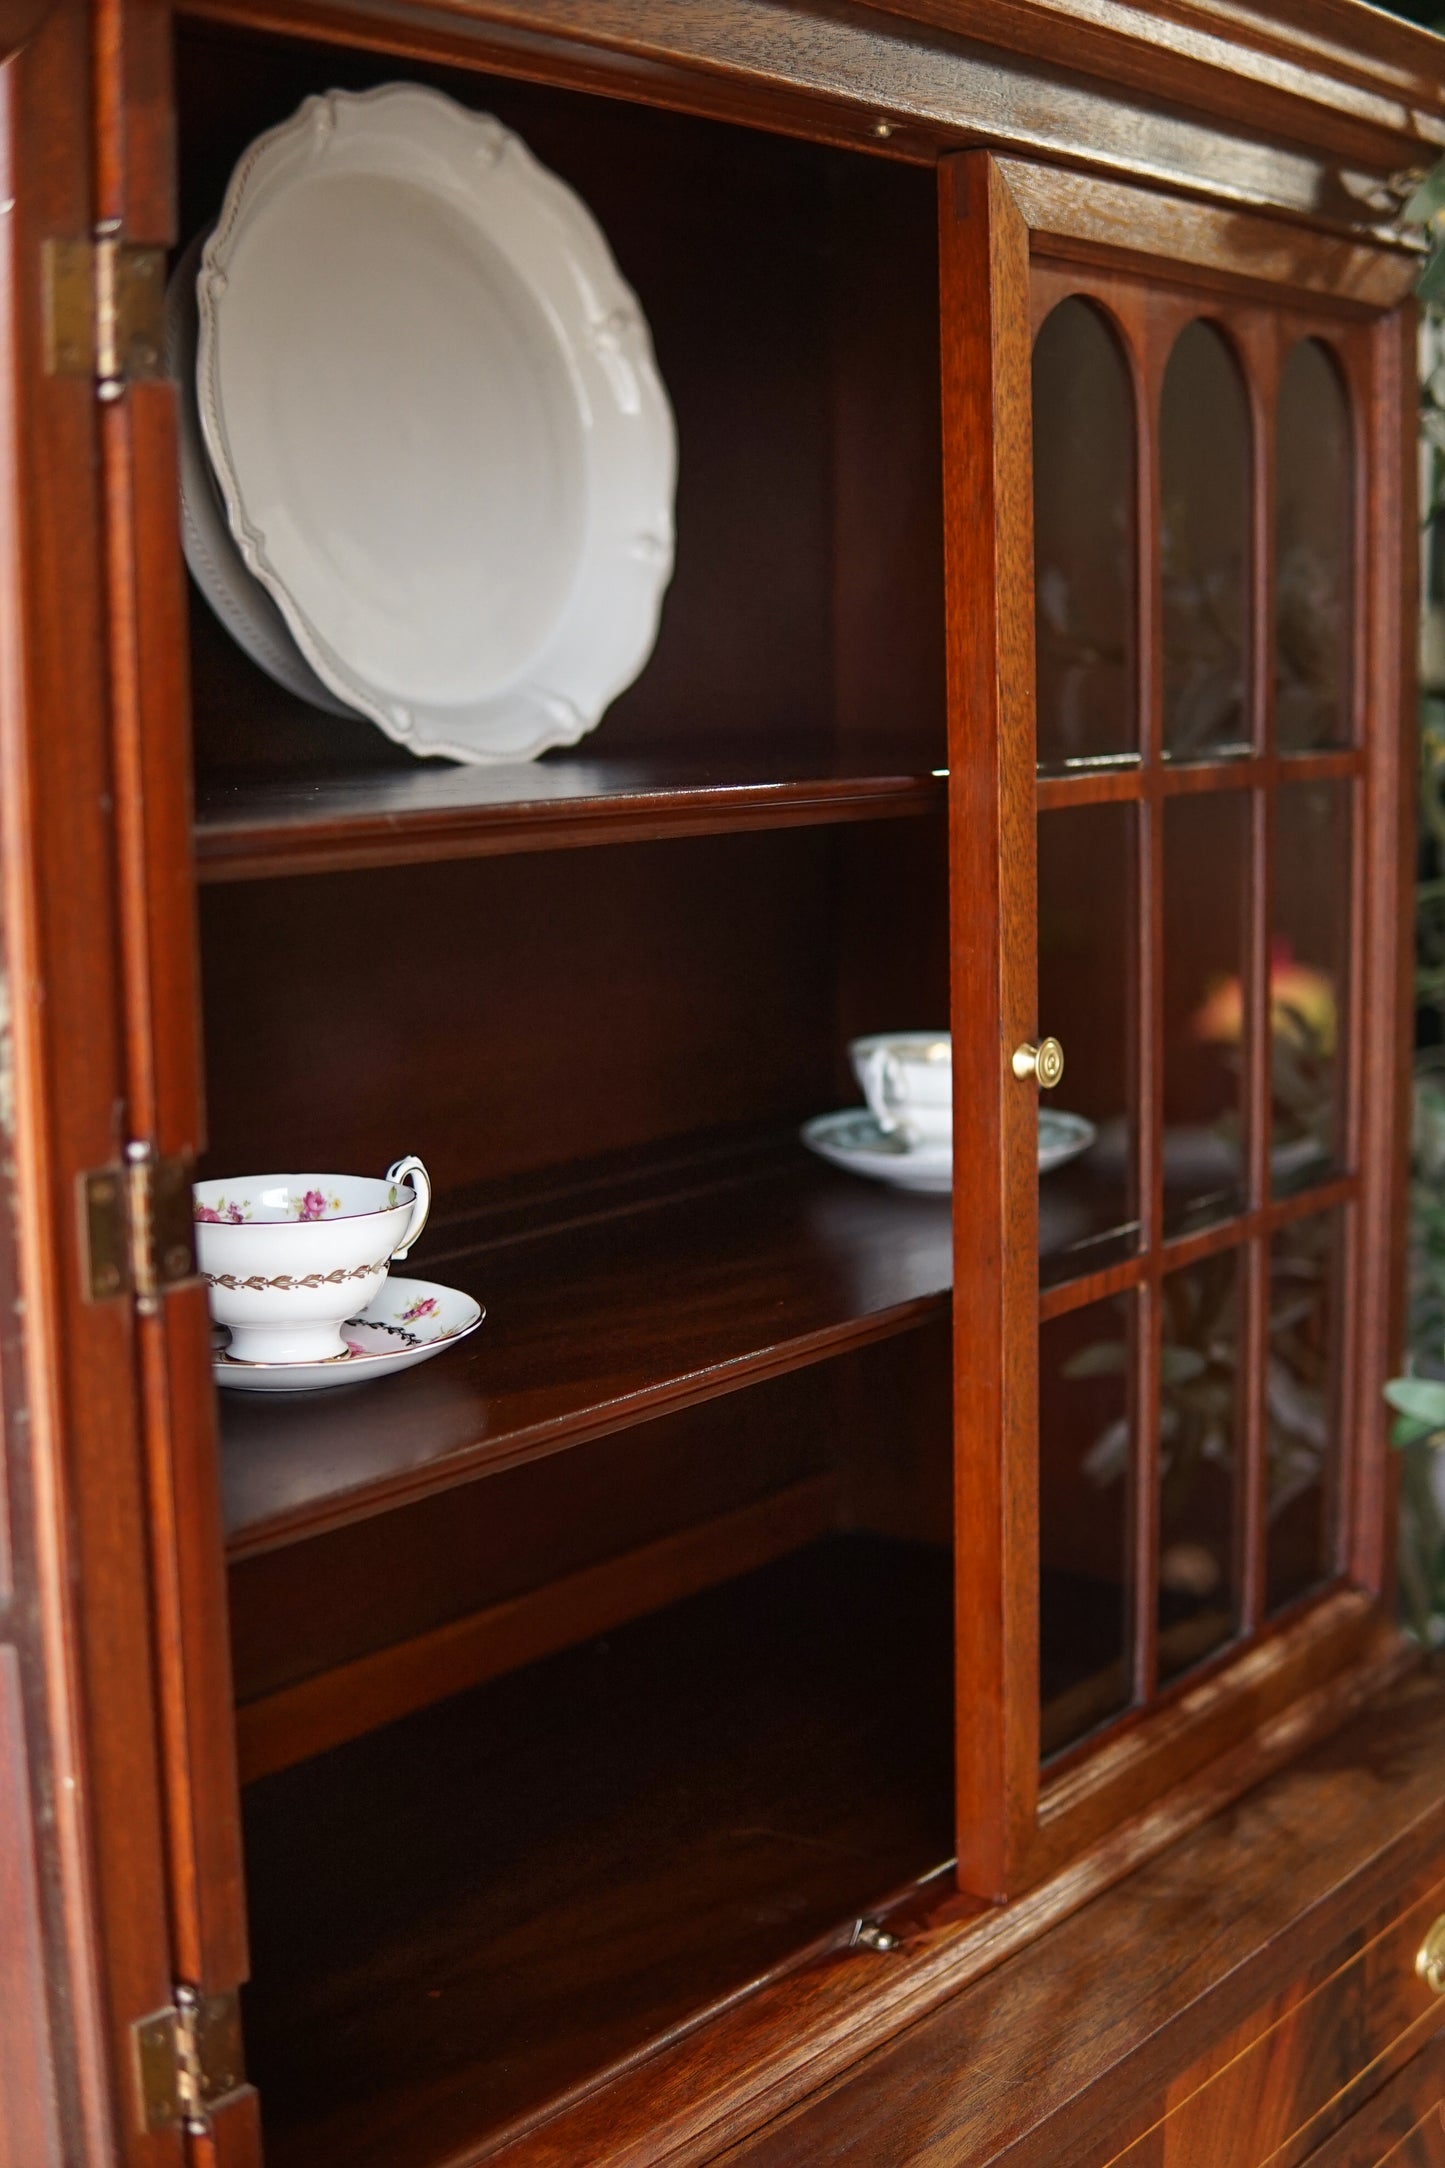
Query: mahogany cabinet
pixel 823 1675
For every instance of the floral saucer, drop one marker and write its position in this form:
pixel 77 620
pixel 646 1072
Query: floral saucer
pixel 409 1321
pixel 853 1139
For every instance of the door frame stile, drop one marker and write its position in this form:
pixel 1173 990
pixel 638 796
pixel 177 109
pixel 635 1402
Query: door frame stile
pixel 72 1410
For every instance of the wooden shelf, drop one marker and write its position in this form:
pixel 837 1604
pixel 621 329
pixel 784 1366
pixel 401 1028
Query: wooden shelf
pixel 476 1911
pixel 252 828
pixel 622 1311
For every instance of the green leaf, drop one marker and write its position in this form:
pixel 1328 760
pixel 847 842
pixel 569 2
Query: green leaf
pixel 1424 1398
pixel 1177 1365
pixel 1430 285
pixel 1427 199
pixel 1104 1360
pixel 1409 1430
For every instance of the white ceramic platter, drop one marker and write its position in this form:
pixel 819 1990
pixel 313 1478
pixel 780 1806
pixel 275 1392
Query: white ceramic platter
pixel 853 1139
pixel 216 565
pixel 431 405
pixel 408 1323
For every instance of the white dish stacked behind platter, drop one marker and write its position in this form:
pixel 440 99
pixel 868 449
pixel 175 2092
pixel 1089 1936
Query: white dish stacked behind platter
pixel 439 462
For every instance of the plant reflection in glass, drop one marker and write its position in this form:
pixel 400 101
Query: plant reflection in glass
pixel 1303 1028
pixel 1199 1401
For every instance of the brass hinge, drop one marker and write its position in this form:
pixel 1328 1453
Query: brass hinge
pixel 188 2059
pixel 136 1232
pixel 105 310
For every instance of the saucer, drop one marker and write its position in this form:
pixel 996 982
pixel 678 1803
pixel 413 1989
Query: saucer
pixel 853 1139
pixel 408 1321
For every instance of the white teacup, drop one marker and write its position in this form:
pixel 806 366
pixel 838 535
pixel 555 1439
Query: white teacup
pixel 907 1079
pixel 287 1258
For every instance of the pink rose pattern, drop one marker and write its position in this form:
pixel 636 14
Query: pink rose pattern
pixel 425 1307
pixel 314 1205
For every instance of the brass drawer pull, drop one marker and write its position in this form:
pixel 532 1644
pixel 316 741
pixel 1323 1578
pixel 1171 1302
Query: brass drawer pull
pixel 1044 1061
pixel 1430 1958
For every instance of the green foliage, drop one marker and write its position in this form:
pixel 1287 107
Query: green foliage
pixel 1419 1398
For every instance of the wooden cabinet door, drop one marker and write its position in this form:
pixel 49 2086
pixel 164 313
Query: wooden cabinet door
pixel 1179 780
pixel 117 1702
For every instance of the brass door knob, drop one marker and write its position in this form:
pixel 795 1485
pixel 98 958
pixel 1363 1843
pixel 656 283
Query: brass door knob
pixel 1044 1061
pixel 1430 1958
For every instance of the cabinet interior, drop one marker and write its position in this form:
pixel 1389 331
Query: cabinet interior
pixel 604 1666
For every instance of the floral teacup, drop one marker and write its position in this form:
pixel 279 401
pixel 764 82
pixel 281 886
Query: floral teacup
pixel 287 1258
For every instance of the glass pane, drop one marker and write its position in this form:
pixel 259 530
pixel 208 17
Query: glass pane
pixel 1206 899
pixel 1313 554
pixel 1302 1423
pixel 1083 539
pixel 1199 1383
pixel 1088 1209
pixel 1204 548
pixel 1086 1454
pixel 1308 981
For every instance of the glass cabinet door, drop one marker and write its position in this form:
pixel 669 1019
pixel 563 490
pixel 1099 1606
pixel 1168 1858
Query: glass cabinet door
pixel 1180 848
pixel 1198 774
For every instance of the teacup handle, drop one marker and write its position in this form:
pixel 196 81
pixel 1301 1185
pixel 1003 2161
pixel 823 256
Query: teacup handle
pixel 411 1170
pixel 876 1072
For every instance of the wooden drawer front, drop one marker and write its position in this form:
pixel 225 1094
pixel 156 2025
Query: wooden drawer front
pixel 1401 2126
pixel 1271 2095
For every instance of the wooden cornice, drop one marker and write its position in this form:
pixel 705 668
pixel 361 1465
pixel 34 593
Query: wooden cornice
pixel 1315 122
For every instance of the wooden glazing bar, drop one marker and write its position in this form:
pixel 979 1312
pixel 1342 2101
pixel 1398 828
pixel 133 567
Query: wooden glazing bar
pixel 1383 999
pixel 1091 786
pixel 1253 1479
pixel 988 571
pixel 1148 917
pixel 1184 779
pixel 1193 1249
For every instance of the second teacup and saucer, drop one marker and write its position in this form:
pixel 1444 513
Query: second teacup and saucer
pixel 904 1135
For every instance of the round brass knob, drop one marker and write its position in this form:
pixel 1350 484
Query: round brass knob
pixel 1430 1958
pixel 1044 1061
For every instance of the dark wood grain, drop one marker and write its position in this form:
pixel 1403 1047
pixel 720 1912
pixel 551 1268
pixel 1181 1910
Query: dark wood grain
pixel 614 1875
pixel 662 1307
